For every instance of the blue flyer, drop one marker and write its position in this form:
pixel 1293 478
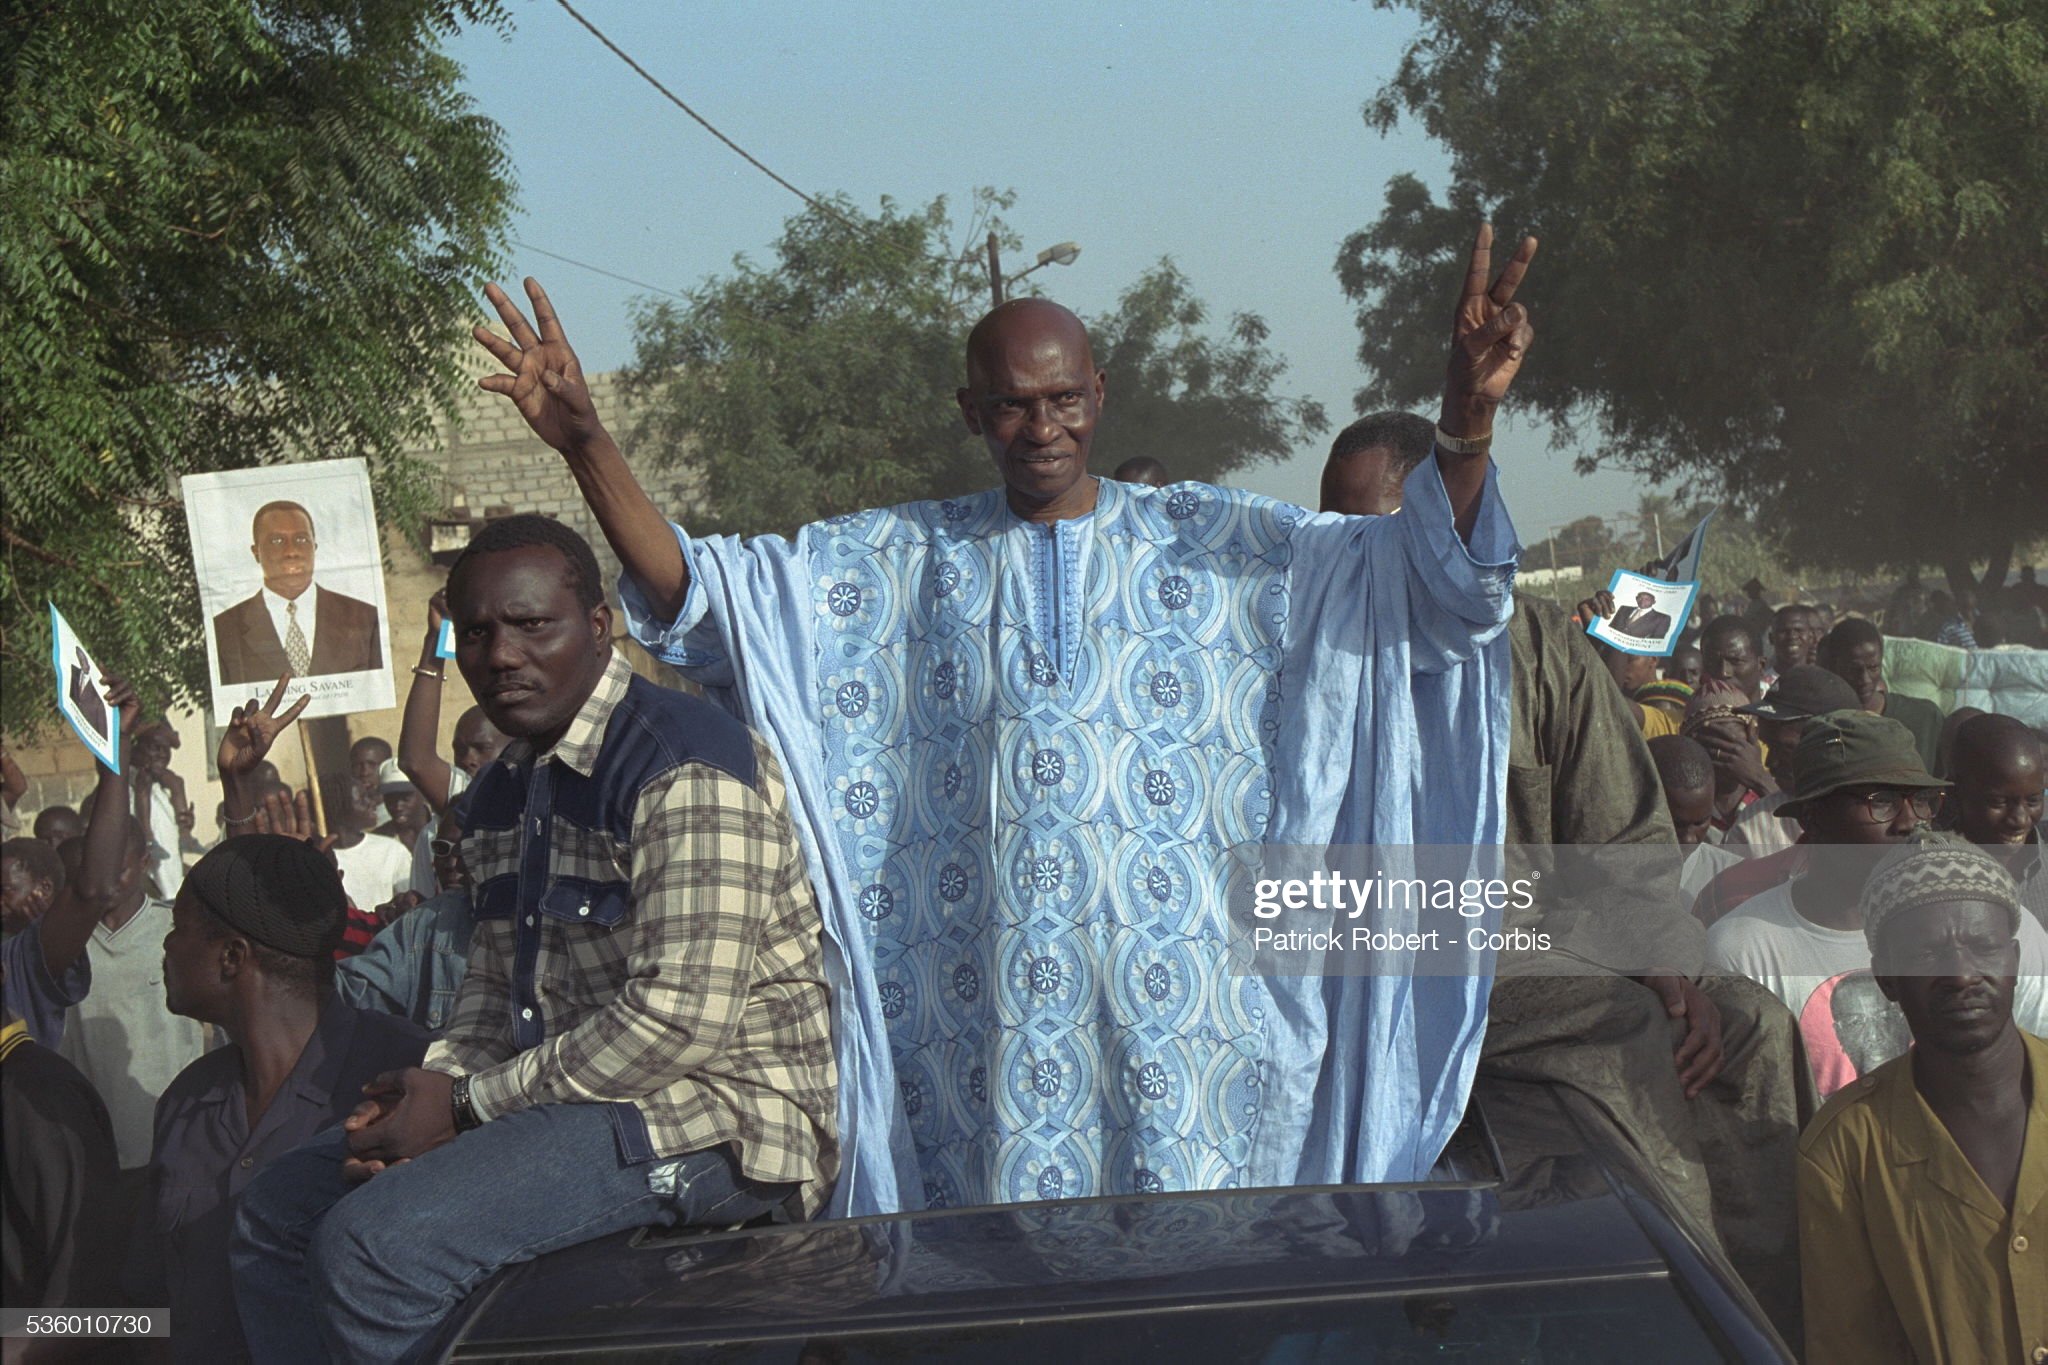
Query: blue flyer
pixel 1649 614
pixel 81 696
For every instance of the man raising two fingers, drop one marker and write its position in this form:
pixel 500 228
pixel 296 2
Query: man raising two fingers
pixel 1044 715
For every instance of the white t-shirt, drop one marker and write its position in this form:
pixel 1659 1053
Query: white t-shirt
pixel 374 870
pixel 423 879
pixel 121 1035
pixel 1823 976
pixel 1706 862
pixel 166 852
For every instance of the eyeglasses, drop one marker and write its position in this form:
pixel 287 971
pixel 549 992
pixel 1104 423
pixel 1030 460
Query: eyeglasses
pixel 443 848
pixel 1883 807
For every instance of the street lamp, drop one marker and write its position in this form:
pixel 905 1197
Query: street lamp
pixel 1063 254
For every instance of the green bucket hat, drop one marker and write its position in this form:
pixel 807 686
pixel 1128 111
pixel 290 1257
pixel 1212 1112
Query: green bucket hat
pixel 1855 749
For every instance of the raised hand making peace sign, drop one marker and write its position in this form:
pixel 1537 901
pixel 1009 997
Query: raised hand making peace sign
pixel 1489 337
pixel 250 732
pixel 252 729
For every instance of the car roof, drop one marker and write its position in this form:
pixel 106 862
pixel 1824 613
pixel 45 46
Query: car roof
pixel 1582 1218
pixel 1062 1259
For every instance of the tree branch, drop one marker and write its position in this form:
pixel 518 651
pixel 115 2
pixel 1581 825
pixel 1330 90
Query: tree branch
pixel 13 538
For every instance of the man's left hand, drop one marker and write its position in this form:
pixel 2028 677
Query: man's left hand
pixel 1489 337
pixel 1735 751
pixel 1699 1054
pixel 419 1120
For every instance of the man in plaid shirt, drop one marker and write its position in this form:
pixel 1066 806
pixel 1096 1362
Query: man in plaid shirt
pixel 643 1034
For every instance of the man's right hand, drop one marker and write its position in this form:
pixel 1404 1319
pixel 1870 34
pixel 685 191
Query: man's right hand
pixel 1700 1054
pixel 121 696
pixel 1735 752
pixel 252 729
pixel 546 380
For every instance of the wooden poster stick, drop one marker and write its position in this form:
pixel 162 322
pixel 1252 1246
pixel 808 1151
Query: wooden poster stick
pixel 313 780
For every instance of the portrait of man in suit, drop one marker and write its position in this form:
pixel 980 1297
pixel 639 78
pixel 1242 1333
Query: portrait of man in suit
pixel 84 695
pixel 1643 620
pixel 292 624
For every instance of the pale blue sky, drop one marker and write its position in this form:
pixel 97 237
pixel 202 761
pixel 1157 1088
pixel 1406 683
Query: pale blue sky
pixel 1228 136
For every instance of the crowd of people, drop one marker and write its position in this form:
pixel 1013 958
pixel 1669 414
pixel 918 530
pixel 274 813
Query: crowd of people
pixel 916 900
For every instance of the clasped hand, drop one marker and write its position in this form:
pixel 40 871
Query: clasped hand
pixel 405 1114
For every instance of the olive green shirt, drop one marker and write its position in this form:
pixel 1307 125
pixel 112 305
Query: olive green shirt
pixel 1905 1254
pixel 1580 774
pixel 1923 719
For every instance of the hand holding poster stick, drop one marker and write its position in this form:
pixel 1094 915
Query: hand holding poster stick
pixel 120 694
pixel 249 734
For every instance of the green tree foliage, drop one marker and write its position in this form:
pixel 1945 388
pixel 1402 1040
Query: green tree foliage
pixel 231 234
pixel 823 382
pixel 1737 550
pixel 1201 406
pixel 1791 252
pixel 1588 542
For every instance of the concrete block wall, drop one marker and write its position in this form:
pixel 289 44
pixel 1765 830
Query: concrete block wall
pixel 60 772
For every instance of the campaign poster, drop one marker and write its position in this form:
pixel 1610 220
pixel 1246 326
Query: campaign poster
pixel 1649 614
pixel 80 697
pixel 291 580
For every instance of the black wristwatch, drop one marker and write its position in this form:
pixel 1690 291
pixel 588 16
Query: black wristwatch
pixel 465 1112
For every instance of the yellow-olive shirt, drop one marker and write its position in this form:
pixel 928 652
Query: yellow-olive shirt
pixel 1656 721
pixel 1905 1254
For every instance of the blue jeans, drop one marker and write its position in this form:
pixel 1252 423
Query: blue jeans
pixel 328 1270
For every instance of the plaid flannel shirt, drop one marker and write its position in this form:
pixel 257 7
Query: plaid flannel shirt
pixel 678 970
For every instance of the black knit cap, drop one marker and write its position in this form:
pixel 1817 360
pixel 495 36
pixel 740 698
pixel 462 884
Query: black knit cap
pixel 283 893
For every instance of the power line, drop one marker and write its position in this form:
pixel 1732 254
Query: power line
pixel 598 270
pixel 706 123
pixel 822 206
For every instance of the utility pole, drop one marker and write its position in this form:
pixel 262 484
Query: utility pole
pixel 995 274
pixel 1657 523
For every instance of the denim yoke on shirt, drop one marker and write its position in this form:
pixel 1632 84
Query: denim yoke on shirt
pixel 647 938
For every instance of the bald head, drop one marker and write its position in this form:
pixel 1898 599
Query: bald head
pixel 1370 462
pixel 477 741
pixel 1033 395
pixel 1144 469
pixel 1989 743
pixel 1022 328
